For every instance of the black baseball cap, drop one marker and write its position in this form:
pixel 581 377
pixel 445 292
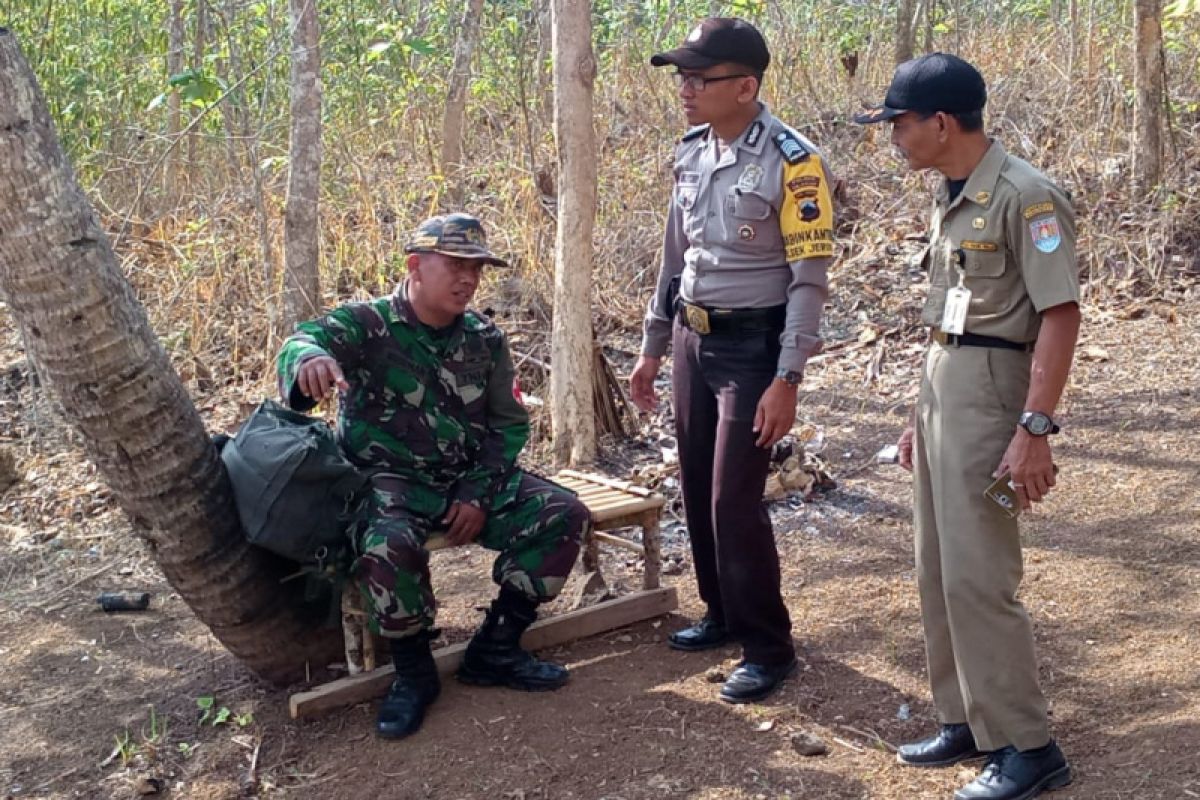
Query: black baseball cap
pixel 717 40
pixel 934 82
pixel 459 235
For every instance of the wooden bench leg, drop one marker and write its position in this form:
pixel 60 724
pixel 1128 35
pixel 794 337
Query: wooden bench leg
pixel 353 630
pixel 360 642
pixel 653 550
pixel 591 552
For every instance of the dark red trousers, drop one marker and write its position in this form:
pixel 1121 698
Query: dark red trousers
pixel 717 380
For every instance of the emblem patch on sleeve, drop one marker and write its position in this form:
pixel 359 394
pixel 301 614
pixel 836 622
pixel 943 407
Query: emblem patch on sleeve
pixel 806 216
pixel 1046 234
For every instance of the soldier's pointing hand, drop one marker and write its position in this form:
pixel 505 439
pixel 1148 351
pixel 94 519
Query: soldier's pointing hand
pixel 319 375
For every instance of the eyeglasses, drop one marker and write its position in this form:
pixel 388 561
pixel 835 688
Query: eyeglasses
pixel 697 83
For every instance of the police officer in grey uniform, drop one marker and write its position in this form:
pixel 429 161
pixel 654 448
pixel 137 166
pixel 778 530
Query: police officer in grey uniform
pixel 748 242
pixel 1003 310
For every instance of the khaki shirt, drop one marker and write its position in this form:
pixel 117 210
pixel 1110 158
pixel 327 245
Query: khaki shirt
pixel 748 228
pixel 1015 230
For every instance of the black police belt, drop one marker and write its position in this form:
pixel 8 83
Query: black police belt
pixel 705 320
pixel 977 340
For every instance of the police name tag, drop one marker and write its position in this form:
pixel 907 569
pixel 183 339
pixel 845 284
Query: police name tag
pixel 954 316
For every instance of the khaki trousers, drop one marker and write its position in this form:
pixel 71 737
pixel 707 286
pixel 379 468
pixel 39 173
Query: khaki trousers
pixel 978 638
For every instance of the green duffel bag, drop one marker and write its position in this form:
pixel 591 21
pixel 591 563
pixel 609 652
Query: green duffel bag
pixel 295 491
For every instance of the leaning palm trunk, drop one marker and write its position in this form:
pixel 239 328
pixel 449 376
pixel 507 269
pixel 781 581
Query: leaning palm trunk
pixel 93 344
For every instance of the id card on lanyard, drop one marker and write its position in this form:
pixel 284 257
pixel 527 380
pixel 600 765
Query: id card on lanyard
pixel 958 298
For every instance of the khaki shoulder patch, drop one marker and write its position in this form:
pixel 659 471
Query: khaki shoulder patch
pixel 1038 208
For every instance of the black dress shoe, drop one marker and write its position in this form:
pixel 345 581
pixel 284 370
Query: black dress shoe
pixel 704 635
pixel 952 744
pixel 1013 774
pixel 751 682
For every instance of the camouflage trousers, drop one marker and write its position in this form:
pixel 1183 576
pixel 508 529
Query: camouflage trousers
pixel 537 535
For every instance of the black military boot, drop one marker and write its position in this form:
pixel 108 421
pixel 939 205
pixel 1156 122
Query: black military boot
pixel 415 687
pixel 494 656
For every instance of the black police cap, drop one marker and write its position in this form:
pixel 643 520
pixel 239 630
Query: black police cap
pixel 933 82
pixel 719 40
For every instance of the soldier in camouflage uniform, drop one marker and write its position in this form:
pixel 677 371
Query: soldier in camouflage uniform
pixel 428 411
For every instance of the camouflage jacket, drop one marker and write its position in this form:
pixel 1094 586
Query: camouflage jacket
pixel 435 408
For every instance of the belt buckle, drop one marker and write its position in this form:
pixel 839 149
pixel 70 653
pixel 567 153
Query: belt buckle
pixel 697 318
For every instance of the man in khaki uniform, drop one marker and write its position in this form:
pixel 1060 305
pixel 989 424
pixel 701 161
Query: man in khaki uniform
pixel 1003 310
pixel 749 238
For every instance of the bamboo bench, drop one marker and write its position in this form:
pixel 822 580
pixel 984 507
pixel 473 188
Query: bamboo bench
pixel 612 504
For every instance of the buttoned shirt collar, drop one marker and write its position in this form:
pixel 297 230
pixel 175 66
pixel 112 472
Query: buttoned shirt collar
pixel 981 183
pixel 753 138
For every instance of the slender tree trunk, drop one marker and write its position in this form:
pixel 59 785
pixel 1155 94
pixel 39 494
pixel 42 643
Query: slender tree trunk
pixel 173 171
pixel 200 45
pixel 571 379
pixel 929 13
pixel 301 236
pixel 1148 104
pixel 904 30
pixel 92 342
pixel 545 80
pixel 1073 48
pixel 456 98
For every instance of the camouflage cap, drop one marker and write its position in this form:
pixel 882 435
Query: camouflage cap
pixel 459 235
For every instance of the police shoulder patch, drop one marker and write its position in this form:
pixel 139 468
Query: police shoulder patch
pixel 694 133
pixel 790 145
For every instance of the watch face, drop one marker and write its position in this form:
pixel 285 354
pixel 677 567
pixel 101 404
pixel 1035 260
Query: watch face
pixel 1038 424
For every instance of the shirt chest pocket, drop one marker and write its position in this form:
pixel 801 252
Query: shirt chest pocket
pixel 984 259
pixel 744 204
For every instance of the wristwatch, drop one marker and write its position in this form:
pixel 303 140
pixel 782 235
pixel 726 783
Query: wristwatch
pixel 790 377
pixel 1038 424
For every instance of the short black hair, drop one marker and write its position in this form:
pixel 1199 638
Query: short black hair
pixel 969 121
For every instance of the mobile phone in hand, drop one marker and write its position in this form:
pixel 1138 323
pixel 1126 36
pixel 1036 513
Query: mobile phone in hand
pixel 1004 495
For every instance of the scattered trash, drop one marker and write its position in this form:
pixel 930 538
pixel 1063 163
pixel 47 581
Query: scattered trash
pixel 889 454
pixel 124 601
pixel 765 725
pixel 904 712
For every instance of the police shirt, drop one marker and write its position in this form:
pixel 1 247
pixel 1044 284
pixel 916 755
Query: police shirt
pixel 751 227
pixel 1013 232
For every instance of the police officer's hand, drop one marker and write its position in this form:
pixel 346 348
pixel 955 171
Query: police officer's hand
pixel 1031 467
pixel 318 375
pixel 905 446
pixel 775 414
pixel 464 521
pixel 641 383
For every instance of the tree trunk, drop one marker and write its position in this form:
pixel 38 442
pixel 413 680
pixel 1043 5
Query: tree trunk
pixel 545 81
pixel 174 115
pixel 302 282
pixel 1148 104
pixel 929 12
pixel 904 30
pixel 456 98
pixel 573 422
pixel 92 342
pixel 200 45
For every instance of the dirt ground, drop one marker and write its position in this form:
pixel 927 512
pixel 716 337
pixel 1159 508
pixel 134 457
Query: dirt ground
pixel 107 706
